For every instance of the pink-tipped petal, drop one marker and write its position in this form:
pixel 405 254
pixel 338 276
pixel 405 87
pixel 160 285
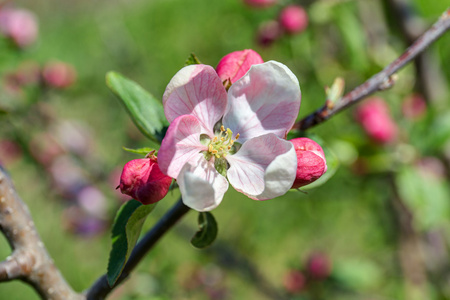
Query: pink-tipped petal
pixel 198 91
pixel 265 100
pixel 235 64
pixel 264 167
pixel 181 144
pixel 201 186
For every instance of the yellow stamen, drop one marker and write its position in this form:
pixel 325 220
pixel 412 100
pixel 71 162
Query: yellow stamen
pixel 229 147
pixel 210 148
pixel 237 136
pixel 214 139
pixel 222 128
pixel 222 139
pixel 214 151
pixel 217 155
pixel 221 149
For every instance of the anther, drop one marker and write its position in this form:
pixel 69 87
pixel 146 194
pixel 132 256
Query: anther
pixel 221 149
pixel 222 128
pixel 214 151
pixel 222 139
pixel 237 136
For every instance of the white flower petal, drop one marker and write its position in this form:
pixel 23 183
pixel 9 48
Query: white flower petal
pixel 264 167
pixel 201 186
pixel 180 145
pixel 196 90
pixel 265 100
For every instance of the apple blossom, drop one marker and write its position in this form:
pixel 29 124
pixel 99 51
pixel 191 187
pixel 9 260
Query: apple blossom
pixel 293 19
pixel 239 135
pixel 374 116
pixel 311 163
pixel 143 180
pixel 235 64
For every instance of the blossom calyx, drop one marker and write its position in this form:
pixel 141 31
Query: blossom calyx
pixel 143 180
pixel 311 163
pixel 235 64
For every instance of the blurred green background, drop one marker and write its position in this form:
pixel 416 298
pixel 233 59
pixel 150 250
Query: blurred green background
pixel 350 218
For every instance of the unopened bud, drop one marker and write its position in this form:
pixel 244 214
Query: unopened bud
pixel 59 75
pixel 260 3
pixel 374 116
pixel 268 33
pixel 142 180
pixel 293 19
pixel 19 25
pixel 294 281
pixel 235 64
pixel 318 266
pixel 311 163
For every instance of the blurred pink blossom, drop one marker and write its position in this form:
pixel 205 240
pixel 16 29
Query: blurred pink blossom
pixel 10 152
pixel 58 74
pixel 19 25
pixel 293 19
pixel 92 200
pixel 374 116
pixel 294 281
pixel 235 64
pixel 268 33
pixel 311 163
pixel 318 266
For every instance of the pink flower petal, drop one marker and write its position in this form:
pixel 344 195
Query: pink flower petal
pixel 198 91
pixel 181 144
pixel 201 186
pixel 264 167
pixel 266 99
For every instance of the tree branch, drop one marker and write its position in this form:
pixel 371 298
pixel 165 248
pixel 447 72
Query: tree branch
pixel 30 260
pixel 379 81
pixel 100 289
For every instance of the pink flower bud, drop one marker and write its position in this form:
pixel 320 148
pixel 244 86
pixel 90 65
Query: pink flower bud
pixel 235 64
pixel 293 19
pixel 260 3
pixel 142 180
pixel 59 75
pixel 294 281
pixel 19 25
pixel 311 163
pixel 374 116
pixel 268 33
pixel 318 266
pixel 414 107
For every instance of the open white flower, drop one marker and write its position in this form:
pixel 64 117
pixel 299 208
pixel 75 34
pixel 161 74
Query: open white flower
pixel 239 135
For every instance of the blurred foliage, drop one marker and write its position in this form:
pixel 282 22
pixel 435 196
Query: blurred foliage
pixel 350 217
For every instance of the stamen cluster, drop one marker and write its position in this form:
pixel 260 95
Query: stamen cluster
pixel 222 143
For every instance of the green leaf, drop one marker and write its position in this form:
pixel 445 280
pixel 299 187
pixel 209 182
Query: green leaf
pixel 144 109
pixel 330 157
pixel 207 232
pixel 144 151
pixel 125 233
pixel 192 60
